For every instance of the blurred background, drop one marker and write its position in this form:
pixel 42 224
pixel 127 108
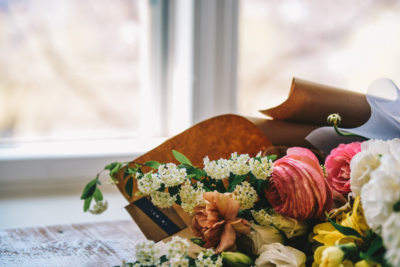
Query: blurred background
pixel 85 83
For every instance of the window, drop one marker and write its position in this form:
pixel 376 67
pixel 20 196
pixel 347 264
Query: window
pixel 347 44
pixel 69 70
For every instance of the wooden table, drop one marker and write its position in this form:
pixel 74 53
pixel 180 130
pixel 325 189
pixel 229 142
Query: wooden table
pixel 97 244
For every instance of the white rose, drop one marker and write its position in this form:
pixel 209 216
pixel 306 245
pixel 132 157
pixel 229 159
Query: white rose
pixel 363 163
pixel 361 166
pixel 280 256
pixel 383 191
pixel 264 235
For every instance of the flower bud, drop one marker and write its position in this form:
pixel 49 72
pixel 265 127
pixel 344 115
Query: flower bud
pixel 236 259
pixel 198 241
pixel 334 256
pixel 334 119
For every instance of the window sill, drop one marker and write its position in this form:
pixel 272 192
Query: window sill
pixel 74 161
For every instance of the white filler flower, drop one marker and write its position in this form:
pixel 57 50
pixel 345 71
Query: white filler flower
pixel 239 164
pixel 149 184
pixel 171 175
pixel 176 251
pixel 280 256
pixel 217 169
pixel 191 197
pixel 204 259
pixel 163 199
pixel 261 170
pixel 147 254
pixel 245 195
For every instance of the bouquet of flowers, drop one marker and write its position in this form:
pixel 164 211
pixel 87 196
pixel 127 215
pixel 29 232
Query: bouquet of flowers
pixel 264 211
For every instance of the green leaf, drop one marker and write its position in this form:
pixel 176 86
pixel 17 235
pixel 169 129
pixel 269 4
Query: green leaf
pixel 175 191
pixel 237 180
pixel 126 175
pixel 376 245
pixel 191 175
pixel 98 182
pixel 345 230
pixel 163 259
pixel 115 169
pixel 396 206
pixel 98 196
pixel 111 166
pixel 129 186
pixel 132 170
pixel 271 157
pixel 86 205
pixel 220 186
pixel 244 214
pixel 153 164
pixel 198 241
pixel 181 158
pixel 89 189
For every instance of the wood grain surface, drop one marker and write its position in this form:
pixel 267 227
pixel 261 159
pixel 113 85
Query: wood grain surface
pixel 97 244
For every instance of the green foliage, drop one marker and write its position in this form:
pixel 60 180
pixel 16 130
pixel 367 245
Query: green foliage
pixel 220 186
pixel 181 158
pixel 198 241
pixel 86 204
pixel 194 172
pixel 396 206
pixel 345 230
pixel 129 186
pixel 237 180
pixel 175 191
pixel 244 214
pixel 98 196
pixel 260 186
pixel 375 246
pixel 153 164
pixel 89 189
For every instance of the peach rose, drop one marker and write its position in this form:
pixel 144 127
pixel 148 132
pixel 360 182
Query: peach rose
pixel 297 188
pixel 216 222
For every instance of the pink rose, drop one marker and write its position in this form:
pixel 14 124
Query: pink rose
pixel 216 222
pixel 337 166
pixel 297 188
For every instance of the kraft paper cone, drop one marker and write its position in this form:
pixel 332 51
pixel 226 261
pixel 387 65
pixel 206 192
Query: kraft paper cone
pixel 312 103
pixel 216 138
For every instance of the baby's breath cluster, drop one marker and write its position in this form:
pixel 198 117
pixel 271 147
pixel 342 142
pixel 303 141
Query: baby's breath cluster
pixel 171 175
pixel 99 207
pixel 245 195
pixel 264 218
pixel 163 199
pixel 217 169
pixel 176 251
pixel 112 181
pixel 239 164
pixel 204 259
pixel 146 254
pixel 149 184
pixel 191 197
pixel 263 169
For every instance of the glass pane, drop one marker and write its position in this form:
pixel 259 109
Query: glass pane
pixel 347 44
pixel 68 69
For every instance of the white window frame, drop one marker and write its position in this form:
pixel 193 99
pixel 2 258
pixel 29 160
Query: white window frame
pixel 188 70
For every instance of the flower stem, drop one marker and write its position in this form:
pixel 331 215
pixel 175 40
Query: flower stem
pixel 347 134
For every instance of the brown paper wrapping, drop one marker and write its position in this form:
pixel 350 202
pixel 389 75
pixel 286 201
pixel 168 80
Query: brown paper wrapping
pixel 312 103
